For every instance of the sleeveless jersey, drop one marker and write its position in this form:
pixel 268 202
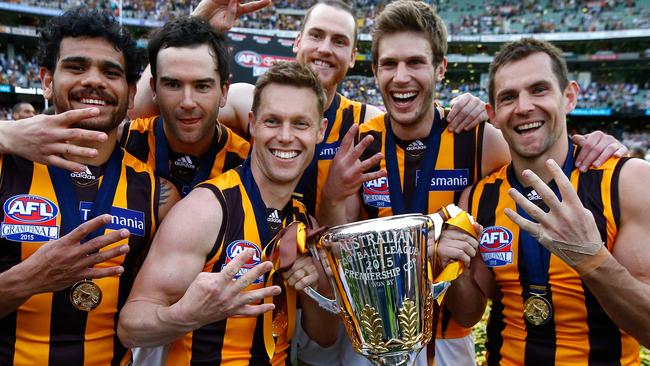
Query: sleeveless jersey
pixel 47 329
pixel 236 340
pixel 458 166
pixel 579 331
pixel 140 139
pixel 341 115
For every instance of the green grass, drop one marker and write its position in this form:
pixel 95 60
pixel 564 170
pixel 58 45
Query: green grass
pixel 479 343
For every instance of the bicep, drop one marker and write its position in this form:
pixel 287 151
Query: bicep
pixel 632 246
pixel 179 249
pixel 239 102
pixel 143 105
pixel 495 150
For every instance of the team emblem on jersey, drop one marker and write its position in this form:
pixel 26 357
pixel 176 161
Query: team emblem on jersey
pixel 376 194
pixel 496 246
pixel 237 247
pixel 29 218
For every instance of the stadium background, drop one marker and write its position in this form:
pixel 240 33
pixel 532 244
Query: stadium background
pixel 606 44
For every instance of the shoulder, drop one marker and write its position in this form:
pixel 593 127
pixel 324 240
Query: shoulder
pixel 234 141
pixel 375 124
pixel 142 124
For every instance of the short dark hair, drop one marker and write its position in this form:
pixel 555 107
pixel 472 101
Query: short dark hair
pixel 338 4
pixel 188 32
pixel 291 74
pixel 411 16
pixel 17 106
pixel 518 50
pixel 84 22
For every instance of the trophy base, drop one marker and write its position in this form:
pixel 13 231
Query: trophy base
pixel 401 358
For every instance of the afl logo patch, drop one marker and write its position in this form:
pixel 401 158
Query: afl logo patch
pixel 496 246
pixel 29 218
pixel 376 193
pixel 239 246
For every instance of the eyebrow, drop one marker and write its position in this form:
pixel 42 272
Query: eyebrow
pixel 106 64
pixel 343 35
pixel 531 85
pixel 204 80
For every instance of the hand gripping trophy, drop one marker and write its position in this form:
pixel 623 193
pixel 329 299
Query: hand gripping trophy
pixel 385 291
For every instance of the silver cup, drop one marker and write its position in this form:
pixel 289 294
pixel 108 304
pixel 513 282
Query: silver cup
pixel 379 271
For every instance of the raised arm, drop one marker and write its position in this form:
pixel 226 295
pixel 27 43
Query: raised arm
pixel 171 295
pixel 45 138
pixel 60 263
pixel 620 281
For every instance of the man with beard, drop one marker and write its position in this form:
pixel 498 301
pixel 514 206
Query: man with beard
pixel 185 143
pixel 59 299
pixel 564 253
pixel 427 166
pixel 183 291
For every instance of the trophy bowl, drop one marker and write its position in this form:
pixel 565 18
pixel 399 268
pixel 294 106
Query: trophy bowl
pixel 380 274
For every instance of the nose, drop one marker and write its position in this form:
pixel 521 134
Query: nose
pixel 524 104
pixel 188 98
pixel 93 78
pixel 401 73
pixel 325 46
pixel 285 133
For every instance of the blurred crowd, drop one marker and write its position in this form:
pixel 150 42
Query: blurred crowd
pixel 19 71
pixel 463 18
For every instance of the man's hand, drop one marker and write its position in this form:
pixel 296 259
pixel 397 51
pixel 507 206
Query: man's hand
pixel 45 139
pixel 455 245
pixel 467 111
pixel 61 263
pixel 216 296
pixel 222 14
pixel 346 172
pixel 302 273
pixel 596 148
pixel 568 230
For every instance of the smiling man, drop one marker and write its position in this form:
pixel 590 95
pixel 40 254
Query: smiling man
pixel 180 292
pixel 59 299
pixel 186 143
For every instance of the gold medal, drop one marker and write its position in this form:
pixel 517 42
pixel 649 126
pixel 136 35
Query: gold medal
pixel 537 310
pixel 280 323
pixel 85 295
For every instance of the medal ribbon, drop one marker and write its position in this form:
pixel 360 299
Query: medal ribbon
pixel 420 201
pixel 536 257
pixel 330 115
pixel 206 161
pixel 267 243
pixel 69 203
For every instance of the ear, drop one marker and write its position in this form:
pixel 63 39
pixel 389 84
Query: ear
pixel 491 114
pixel 571 95
pixel 46 82
pixel 440 70
pixel 251 125
pixel 132 90
pixel 296 43
pixel 152 85
pixel 353 57
pixel 321 130
pixel 224 94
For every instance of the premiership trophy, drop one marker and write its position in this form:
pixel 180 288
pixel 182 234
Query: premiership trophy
pixel 381 277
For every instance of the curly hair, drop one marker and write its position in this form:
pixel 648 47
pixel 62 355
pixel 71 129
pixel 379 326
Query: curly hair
pixel 84 22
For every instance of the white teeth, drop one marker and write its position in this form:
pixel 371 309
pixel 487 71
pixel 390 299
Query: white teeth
pixel 284 154
pixel 528 126
pixel 92 101
pixel 404 95
pixel 320 63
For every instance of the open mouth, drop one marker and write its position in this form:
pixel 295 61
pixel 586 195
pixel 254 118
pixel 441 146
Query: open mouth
pixel 403 97
pixel 529 127
pixel 320 64
pixel 285 155
pixel 93 101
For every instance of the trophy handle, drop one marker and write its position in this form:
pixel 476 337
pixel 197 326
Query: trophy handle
pixel 328 304
pixel 322 301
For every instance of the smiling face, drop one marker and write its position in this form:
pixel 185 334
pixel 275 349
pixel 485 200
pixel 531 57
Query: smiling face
pixel 89 72
pixel 407 78
pixel 326 44
pixel 188 92
pixel 530 108
pixel 285 131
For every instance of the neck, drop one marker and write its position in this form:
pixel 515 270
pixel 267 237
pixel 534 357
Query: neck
pixel 104 150
pixel 195 149
pixel 275 195
pixel 419 129
pixel 329 93
pixel 557 152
